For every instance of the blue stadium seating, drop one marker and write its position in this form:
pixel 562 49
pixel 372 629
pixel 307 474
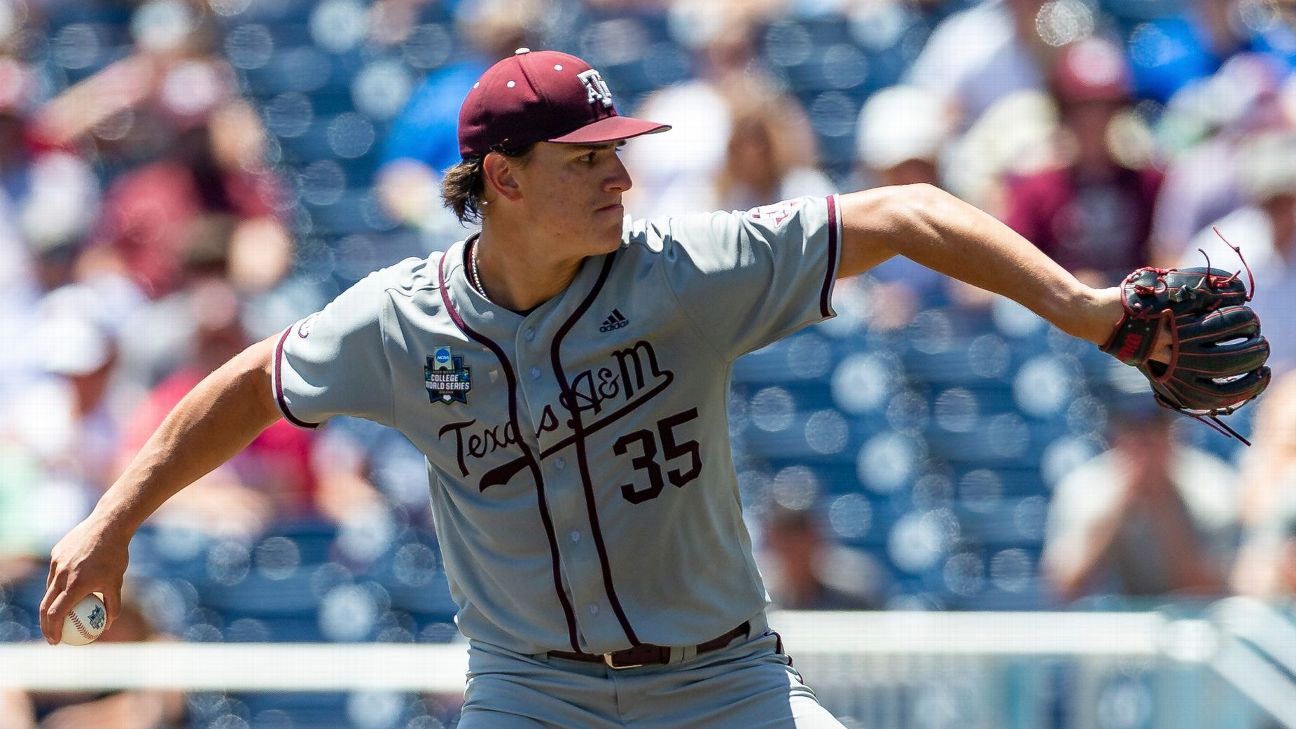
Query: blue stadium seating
pixel 948 409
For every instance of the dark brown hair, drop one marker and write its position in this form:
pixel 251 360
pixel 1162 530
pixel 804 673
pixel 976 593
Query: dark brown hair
pixel 464 184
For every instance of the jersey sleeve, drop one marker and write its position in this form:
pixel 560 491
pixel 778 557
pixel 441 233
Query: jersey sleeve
pixel 334 362
pixel 749 278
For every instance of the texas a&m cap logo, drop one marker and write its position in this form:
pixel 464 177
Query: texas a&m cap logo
pixel 596 89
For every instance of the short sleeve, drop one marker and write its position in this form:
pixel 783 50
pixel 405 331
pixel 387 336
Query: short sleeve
pixel 747 279
pixel 334 362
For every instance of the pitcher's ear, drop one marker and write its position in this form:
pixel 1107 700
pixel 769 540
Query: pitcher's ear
pixel 499 173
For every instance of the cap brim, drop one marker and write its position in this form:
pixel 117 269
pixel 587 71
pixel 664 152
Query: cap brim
pixel 611 129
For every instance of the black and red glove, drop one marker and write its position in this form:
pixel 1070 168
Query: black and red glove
pixel 1217 354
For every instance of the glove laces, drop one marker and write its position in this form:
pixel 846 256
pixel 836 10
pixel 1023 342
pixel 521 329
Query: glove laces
pixel 1212 419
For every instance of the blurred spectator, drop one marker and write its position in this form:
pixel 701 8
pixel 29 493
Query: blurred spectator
pixel 214 168
pixel 803 570
pixel 980 55
pixel 22 543
pixel 391 21
pixel 1266 565
pixel 48 200
pixel 1152 517
pixel 130 709
pixel 901 135
pixel 161 337
pixel 249 256
pixel 1092 213
pixel 53 194
pixel 272 477
pixel 278 476
pixel 770 157
pixel 1265 230
pixel 1014 138
pixel 423 141
pixel 426 131
pixel 18 294
pixel 171 80
pixel 60 432
pixel 1190 42
pixel 1171 51
pixel 1204 128
pixel 674 176
pixel 629 6
pixel 72 421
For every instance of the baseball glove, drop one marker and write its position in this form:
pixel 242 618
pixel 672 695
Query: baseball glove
pixel 1217 354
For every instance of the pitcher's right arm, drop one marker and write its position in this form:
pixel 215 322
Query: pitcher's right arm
pixel 216 420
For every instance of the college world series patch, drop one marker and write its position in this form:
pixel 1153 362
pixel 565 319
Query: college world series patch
pixel 446 378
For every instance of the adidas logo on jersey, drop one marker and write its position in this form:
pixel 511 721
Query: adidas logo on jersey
pixel 615 320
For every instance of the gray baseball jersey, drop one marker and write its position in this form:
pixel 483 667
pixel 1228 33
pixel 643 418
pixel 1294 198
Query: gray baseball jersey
pixel 578 456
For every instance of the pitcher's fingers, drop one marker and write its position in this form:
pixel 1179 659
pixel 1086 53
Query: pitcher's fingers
pixel 53 630
pixel 53 614
pixel 111 597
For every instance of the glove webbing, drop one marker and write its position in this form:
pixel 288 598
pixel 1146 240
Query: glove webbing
pixel 1210 420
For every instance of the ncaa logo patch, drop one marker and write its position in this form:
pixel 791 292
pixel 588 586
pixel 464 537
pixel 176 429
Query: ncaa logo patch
pixel 446 378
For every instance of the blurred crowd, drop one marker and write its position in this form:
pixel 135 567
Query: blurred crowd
pixel 155 218
pixel 180 178
pixel 145 238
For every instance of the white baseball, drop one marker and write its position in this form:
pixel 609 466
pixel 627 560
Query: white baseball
pixel 85 622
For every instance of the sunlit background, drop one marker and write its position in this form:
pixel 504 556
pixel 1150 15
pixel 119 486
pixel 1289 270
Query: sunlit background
pixel 181 178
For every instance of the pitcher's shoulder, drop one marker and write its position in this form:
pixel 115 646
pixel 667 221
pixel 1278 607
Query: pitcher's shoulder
pixel 410 275
pixel 653 237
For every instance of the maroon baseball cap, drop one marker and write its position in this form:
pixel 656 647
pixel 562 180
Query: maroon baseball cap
pixel 542 96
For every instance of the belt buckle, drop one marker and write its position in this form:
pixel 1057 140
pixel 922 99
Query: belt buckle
pixel 607 658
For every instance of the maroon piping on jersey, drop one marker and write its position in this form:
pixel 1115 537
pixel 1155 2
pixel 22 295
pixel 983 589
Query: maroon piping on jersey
pixel 278 382
pixel 578 430
pixel 825 294
pixel 526 451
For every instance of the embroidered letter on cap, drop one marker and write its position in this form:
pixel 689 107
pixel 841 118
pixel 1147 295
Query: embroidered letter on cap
pixel 596 89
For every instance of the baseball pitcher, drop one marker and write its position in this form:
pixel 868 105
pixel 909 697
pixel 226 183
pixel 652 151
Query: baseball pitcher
pixel 565 372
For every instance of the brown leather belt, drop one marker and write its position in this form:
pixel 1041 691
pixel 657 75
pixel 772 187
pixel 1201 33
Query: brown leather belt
pixel 646 654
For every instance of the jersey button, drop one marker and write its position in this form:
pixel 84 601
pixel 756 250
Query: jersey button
pixel 535 373
pixel 593 609
pixel 529 334
pixel 560 463
pixel 574 536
